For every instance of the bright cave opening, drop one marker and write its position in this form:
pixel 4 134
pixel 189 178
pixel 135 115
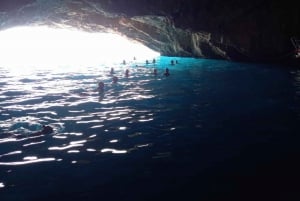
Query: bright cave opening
pixel 41 46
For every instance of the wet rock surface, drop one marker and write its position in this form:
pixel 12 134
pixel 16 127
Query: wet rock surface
pixel 243 31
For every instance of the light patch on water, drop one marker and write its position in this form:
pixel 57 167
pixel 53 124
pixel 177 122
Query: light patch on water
pixel 91 150
pixel 114 151
pixel 78 142
pixel 73 133
pixel 59 137
pixel 125 118
pixel 11 153
pixel 143 145
pixel 4 140
pixel 76 111
pixel 97 126
pixel 145 120
pixel 34 143
pixel 29 158
pixel 113 118
pixel 89 121
pixel 73 151
pixel 16 163
pixel 65 147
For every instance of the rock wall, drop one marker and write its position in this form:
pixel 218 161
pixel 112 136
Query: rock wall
pixel 257 30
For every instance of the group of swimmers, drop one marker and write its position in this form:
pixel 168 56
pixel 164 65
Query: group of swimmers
pixel 115 79
pixel 174 62
pixel 153 61
pixel 48 129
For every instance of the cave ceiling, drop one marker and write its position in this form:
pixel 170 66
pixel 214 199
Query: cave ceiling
pixel 230 29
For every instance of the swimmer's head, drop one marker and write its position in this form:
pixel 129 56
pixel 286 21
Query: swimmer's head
pixel 167 73
pixel 47 130
pixel 100 87
pixel 101 84
pixel 115 79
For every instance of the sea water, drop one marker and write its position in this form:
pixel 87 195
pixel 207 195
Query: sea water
pixel 211 130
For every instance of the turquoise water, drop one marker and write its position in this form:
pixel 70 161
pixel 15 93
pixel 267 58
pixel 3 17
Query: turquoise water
pixel 212 130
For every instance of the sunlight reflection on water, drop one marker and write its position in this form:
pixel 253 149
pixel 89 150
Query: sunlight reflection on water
pixel 69 102
pixel 203 114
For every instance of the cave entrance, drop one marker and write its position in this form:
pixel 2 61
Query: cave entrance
pixel 49 47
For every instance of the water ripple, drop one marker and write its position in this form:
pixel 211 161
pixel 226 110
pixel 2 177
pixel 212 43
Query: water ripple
pixel 142 117
pixel 84 121
pixel 26 161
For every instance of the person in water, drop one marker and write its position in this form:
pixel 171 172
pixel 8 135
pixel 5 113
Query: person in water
pixel 172 62
pixel 127 73
pixel 112 71
pixel 45 131
pixel 155 71
pixel 115 79
pixel 167 73
pixel 100 88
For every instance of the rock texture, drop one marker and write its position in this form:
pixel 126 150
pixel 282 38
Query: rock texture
pixel 257 30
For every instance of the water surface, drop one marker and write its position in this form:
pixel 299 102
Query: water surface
pixel 211 130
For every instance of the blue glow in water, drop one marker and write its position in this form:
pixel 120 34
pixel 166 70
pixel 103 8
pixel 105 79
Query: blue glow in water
pixel 209 131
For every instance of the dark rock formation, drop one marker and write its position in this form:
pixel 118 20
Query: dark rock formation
pixel 257 30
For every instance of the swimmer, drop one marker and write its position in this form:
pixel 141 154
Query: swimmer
pixel 124 62
pixel 112 71
pixel 172 62
pixel 115 79
pixel 167 73
pixel 147 62
pixel 155 71
pixel 46 130
pixel 127 73
pixel 153 61
pixel 100 88
pixel 176 61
